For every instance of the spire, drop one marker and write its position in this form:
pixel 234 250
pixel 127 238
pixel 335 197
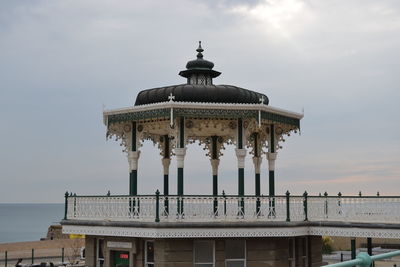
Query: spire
pixel 199 50
pixel 199 71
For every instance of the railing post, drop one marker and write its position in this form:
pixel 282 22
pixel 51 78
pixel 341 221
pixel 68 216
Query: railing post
pixel 340 203
pixel 157 206
pixel 305 205
pixel 74 204
pixel 224 196
pixel 326 204
pixel 5 259
pixel 287 206
pixel 66 205
pixel 242 206
pixel 62 255
pixel 215 206
pixel 166 205
pixel 33 255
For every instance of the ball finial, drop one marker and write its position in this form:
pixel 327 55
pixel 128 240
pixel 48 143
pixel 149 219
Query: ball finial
pixel 199 50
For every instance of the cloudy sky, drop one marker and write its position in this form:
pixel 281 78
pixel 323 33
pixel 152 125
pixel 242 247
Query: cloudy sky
pixel 62 61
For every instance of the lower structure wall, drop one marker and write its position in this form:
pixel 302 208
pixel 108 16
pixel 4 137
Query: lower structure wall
pixel 266 252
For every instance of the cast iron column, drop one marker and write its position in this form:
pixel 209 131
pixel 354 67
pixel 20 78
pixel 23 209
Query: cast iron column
pixel 214 164
pixel 166 161
pixel 271 156
pixel 180 153
pixel 133 158
pixel 240 154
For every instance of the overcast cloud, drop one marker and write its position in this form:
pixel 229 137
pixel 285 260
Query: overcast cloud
pixel 61 61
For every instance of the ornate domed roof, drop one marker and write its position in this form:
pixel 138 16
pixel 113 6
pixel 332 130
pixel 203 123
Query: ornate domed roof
pixel 200 88
pixel 200 93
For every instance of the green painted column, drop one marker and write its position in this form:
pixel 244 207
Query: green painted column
pixel 166 161
pixel 271 156
pixel 257 169
pixel 133 183
pixel 180 182
pixel 214 164
pixel 180 153
pixel 133 158
pixel 240 154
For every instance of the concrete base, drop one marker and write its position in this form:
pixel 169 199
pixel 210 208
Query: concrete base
pixel 273 251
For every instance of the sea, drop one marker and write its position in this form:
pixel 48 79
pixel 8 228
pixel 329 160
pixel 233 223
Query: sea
pixel 27 222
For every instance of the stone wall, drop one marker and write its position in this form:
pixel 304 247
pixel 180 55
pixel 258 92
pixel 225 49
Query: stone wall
pixel 267 252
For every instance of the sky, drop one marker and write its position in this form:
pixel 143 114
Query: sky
pixel 63 62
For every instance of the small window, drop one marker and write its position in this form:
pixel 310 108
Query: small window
pixel 99 253
pixel 149 254
pixel 204 254
pixel 235 253
pixel 292 255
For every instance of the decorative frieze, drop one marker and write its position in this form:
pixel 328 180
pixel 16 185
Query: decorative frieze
pixel 230 232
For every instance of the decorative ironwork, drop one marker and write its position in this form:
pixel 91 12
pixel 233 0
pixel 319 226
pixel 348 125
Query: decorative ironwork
pixel 235 208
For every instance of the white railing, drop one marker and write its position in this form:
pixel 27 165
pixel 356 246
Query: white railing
pixel 354 209
pixel 157 207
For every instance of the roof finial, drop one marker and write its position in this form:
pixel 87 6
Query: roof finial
pixel 200 49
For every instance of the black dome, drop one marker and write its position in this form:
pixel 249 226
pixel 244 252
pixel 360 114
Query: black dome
pixel 199 64
pixel 200 93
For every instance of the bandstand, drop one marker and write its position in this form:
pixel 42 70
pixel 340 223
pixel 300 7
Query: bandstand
pixel 182 230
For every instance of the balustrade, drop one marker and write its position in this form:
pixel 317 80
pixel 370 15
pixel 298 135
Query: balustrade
pixel 204 208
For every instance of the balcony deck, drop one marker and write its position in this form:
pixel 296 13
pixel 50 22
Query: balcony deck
pixel 159 216
pixel 224 208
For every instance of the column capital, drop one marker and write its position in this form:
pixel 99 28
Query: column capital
pixel 257 164
pixel 240 154
pixel 166 162
pixel 271 160
pixel 214 165
pixel 133 158
pixel 272 156
pixel 180 156
pixel 180 151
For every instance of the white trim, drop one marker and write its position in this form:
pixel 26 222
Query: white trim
pixel 356 232
pixel 184 232
pixel 230 232
pixel 200 105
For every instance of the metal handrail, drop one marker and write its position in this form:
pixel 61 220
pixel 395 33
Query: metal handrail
pixel 365 260
pixel 229 207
